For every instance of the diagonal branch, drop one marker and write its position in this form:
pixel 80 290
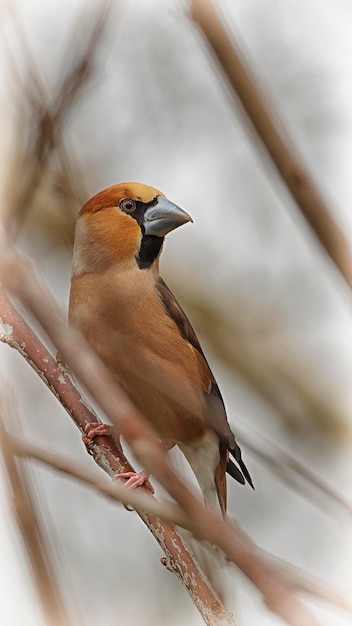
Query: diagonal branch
pixel 280 149
pixel 139 499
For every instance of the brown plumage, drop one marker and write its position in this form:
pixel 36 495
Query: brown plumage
pixel 136 326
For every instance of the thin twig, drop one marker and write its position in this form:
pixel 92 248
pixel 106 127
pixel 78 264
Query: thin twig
pixel 139 499
pixel 281 150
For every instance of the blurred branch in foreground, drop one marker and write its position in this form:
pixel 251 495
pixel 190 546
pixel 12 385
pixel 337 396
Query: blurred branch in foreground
pixel 37 550
pixel 19 277
pixel 47 115
pixel 296 579
pixel 282 152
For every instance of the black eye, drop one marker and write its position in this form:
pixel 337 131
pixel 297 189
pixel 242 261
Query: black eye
pixel 127 205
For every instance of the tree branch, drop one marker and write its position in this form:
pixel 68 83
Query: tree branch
pixel 267 125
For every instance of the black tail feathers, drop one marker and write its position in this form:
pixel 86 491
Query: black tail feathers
pixel 233 470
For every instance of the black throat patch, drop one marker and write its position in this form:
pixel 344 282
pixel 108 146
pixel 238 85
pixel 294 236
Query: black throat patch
pixel 149 250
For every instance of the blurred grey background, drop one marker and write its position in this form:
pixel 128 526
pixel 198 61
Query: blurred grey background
pixel 271 312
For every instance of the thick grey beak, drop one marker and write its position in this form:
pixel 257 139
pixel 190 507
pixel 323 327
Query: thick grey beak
pixel 163 217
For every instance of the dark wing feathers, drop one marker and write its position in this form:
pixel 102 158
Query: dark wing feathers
pixel 176 313
pixel 215 413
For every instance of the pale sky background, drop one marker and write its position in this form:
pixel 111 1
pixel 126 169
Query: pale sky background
pixel 156 112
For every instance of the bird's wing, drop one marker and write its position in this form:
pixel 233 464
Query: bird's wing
pixel 215 409
pixel 215 413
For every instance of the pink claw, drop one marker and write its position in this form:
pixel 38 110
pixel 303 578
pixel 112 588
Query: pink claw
pixel 136 479
pixel 96 429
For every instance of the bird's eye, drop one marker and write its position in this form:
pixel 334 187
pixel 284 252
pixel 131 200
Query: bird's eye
pixel 127 205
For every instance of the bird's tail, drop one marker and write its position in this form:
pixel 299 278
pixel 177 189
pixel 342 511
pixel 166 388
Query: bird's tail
pixel 241 474
pixel 220 479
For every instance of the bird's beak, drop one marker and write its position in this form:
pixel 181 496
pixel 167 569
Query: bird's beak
pixel 163 217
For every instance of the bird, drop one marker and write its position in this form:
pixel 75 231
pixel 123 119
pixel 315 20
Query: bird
pixel 131 319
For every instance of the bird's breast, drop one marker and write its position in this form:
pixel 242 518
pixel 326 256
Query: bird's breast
pixel 124 320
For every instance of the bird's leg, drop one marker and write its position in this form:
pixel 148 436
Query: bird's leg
pixel 136 479
pixel 96 429
pixel 139 479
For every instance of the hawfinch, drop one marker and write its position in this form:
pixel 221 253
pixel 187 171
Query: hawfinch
pixel 134 323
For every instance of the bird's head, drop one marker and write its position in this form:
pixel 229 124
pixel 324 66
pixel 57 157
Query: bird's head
pixel 124 224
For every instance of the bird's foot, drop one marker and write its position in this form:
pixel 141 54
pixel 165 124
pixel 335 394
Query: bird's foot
pixel 136 479
pixel 96 429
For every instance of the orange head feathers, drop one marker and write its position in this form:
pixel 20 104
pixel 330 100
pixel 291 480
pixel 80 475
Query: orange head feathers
pixel 124 223
pixel 112 196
